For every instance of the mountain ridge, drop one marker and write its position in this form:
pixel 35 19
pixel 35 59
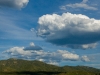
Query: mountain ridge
pixel 14 65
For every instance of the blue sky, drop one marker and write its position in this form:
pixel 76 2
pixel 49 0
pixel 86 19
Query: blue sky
pixel 60 32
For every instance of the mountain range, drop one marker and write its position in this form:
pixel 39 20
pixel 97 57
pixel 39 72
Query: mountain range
pixel 14 66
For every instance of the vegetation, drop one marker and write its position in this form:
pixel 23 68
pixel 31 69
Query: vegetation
pixel 25 67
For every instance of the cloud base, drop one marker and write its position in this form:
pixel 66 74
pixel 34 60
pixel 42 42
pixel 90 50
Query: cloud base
pixel 71 30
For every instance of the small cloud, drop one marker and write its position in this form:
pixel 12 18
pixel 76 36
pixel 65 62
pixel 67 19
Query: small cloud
pixel 33 47
pixel 14 3
pixel 32 44
pixel 63 7
pixel 79 5
pixel 68 55
pixel 41 59
pixel 85 58
pixel 33 30
pixel 52 63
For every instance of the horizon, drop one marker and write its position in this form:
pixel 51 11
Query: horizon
pixel 48 63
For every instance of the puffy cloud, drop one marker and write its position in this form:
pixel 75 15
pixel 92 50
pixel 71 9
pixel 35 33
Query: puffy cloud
pixel 71 30
pixel 79 5
pixel 14 3
pixel 60 55
pixel 49 57
pixel 33 47
pixel 18 51
pixel 68 55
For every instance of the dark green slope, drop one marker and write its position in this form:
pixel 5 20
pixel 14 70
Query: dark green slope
pixel 80 68
pixel 25 67
pixel 19 65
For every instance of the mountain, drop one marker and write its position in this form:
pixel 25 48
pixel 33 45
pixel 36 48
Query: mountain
pixel 25 67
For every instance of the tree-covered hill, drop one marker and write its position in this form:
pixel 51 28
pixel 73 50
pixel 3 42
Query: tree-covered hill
pixel 25 67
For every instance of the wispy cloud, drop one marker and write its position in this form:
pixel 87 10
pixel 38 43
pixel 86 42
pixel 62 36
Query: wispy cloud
pixel 82 5
pixel 13 26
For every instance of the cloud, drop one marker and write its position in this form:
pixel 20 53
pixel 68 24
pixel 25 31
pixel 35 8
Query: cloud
pixel 52 63
pixel 33 47
pixel 84 1
pixel 94 59
pixel 49 57
pixel 85 58
pixel 70 30
pixel 79 5
pixel 68 55
pixel 84 46
pixel 14 3
pixel 18 51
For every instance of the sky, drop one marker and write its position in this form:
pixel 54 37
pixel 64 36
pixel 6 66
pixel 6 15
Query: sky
pixel 58 32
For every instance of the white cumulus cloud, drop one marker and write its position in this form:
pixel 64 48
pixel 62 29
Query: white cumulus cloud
pixel 49 57
pixel 71 30
pixel 18 51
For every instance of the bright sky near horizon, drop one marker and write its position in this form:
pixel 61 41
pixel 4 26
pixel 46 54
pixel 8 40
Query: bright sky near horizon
pixel 59 32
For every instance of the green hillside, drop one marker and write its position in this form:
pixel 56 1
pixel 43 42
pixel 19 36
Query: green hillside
pixel 24 67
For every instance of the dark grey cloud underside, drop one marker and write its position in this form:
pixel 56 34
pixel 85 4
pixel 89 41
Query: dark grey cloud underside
pixel 18 4
pixel 6 3
pixel 33 48
pixel 82 38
